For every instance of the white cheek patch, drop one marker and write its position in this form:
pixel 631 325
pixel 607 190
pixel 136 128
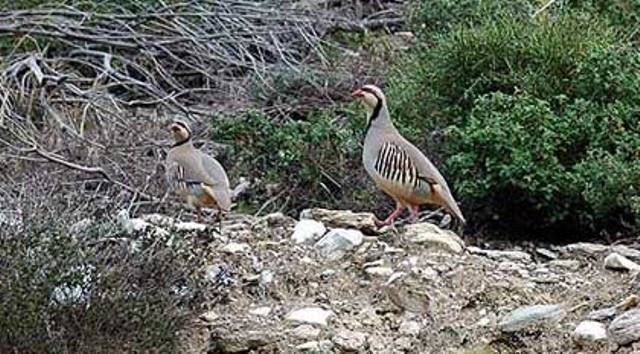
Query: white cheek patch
pixel 371 100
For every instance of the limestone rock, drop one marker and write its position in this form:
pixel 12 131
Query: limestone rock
pixel 233 248
pixel 408 293
pixel 228 341
pixel 308 230
pixel 631 253
pixel 337 242
pixel 533 315
pixel 604 314
pixel 305 331
pixel 432 236
pixel 588 332
pixel 546 253
pixel 260 311
pixel 616 261
pixel 585 248
pixel 625 329
pixel 190 226
pixel 322 346
pixel 515 256
pixel 314 315
pixel 209 316
pixel 379 271
pixel 350 341
pixel 342 219
pixel 410 327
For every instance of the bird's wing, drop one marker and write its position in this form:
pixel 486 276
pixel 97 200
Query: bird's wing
pixel 174 174
pixel 215 180
pixel 400 163
pixel 396 167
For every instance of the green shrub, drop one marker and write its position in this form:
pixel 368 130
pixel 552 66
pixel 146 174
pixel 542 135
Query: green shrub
pixel 623 15
pixel 316 162
pixel 578 165
pixel 536 118
pixel 509 55
pixel 429 17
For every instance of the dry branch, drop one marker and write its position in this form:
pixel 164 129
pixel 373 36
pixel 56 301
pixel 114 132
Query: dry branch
pixel 84 89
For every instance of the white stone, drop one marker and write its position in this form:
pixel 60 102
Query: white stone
pixel 266 277
pixel 307 230
pixel 376 263
pixel 316 346
pixel 410 328
pixel 328 272
pixel 515 256
pixel 158 219
pixel 484 321
pixel 306 331
pixel 341 218
pixel 546 253
pixel 190 226
pixel 315 315
pixel 337 242
pixel 585 248
pixel 431 235
pixel 350 341
pixel 631 253
pixel 260 311
pixel 589 332
pixel 209 316
pixel 379 271
pixel 394 277
pixel 426 273
pixel 234 247
pixel 619 262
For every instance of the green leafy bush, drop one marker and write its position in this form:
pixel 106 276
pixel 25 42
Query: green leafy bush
pixel 315 161
pixel 517 152
pixel 536 118
pixel 623 15
pixel 430 17
pixel 510 55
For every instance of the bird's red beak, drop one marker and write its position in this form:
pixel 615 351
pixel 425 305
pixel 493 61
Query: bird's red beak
pixel 357 93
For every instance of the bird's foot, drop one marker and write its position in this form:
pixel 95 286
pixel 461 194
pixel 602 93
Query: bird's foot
pixel 414 215
pixel 380 223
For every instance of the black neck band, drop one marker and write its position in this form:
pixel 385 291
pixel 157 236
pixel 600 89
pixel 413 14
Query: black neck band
pixel 376 111
pixel 182 142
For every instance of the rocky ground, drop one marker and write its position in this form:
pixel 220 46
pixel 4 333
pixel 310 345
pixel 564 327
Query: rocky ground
pixel 329 284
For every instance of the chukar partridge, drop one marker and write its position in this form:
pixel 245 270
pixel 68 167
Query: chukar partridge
pixel 397 166
pixel 194 175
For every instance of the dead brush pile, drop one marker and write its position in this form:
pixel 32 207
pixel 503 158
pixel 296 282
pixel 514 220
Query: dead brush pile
pixel 84 96
pixel 84 100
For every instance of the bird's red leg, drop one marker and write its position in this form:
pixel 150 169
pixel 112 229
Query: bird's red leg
pixel 391 216
pixel 199 214
pixel 414 213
